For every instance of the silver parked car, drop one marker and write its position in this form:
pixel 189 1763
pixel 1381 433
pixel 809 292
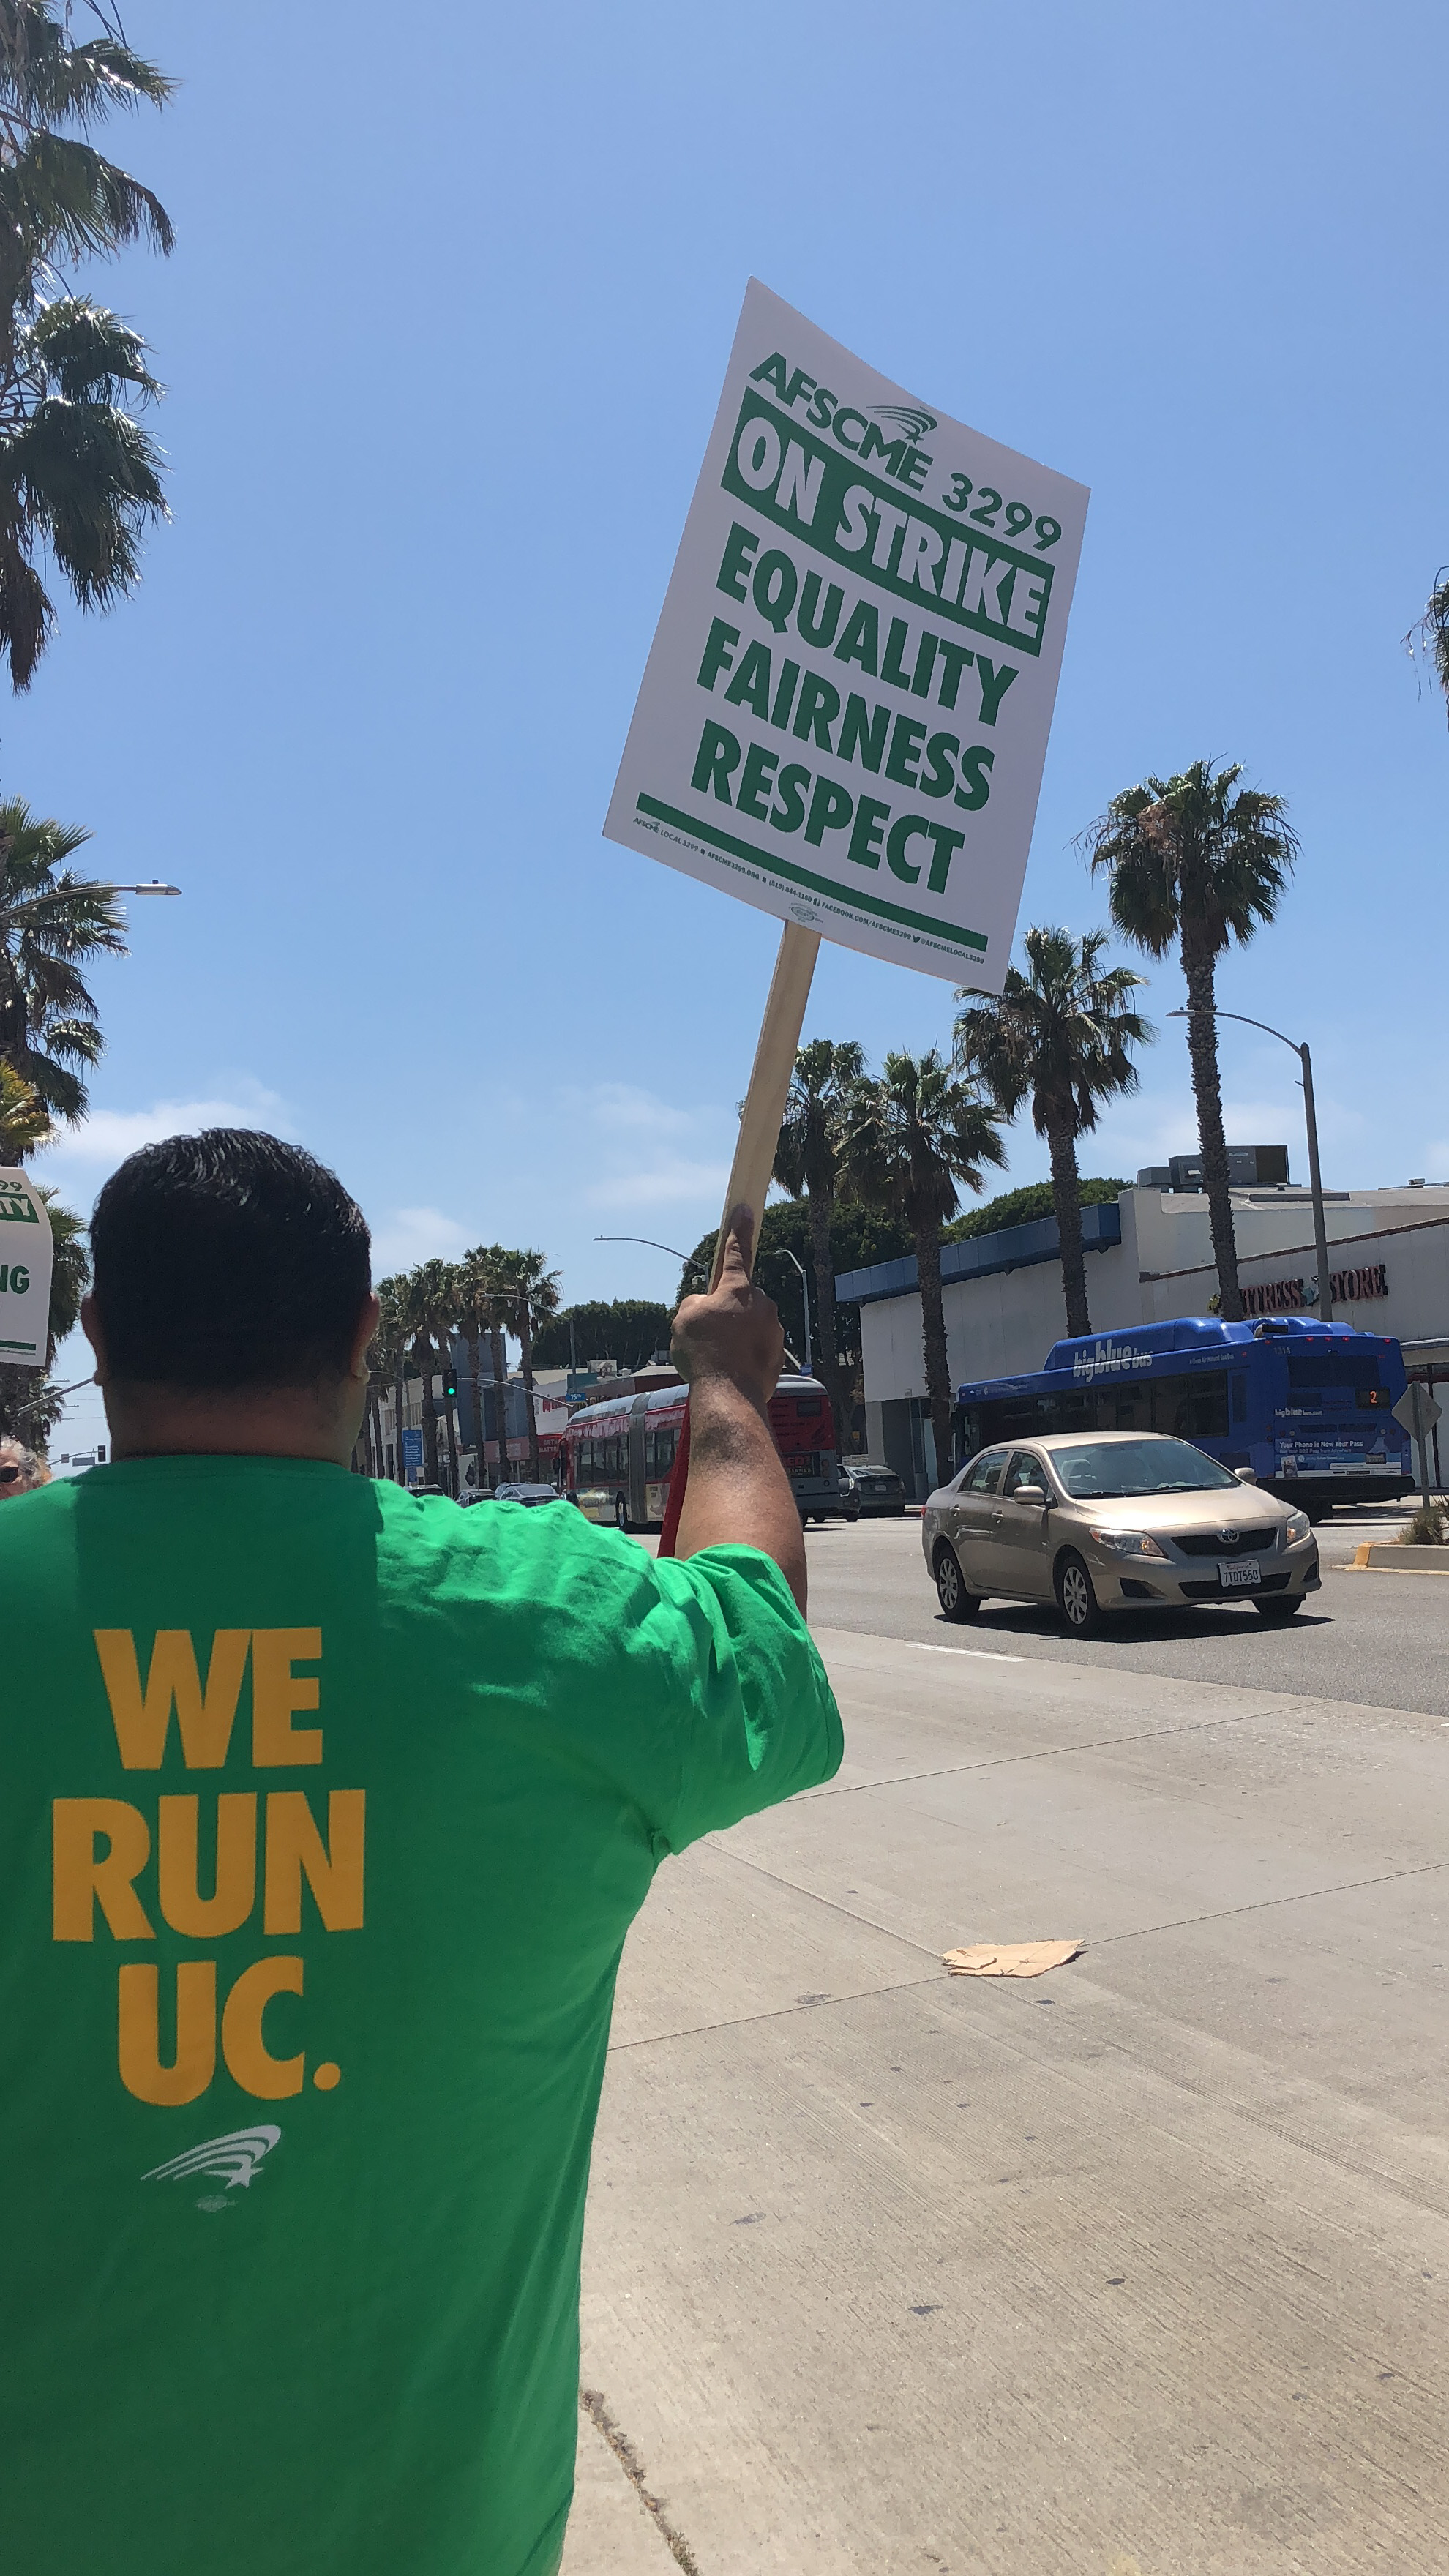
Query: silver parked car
pixel 1113 1520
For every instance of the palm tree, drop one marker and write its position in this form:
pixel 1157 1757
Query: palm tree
pixel 912 1141
pixel 49 918
pixel 24 1125
pixel 432 1304
pixel 389 1365
pixel 449 1293
pixel 486 1307
pixel 1060 1036
pixel 1431 636
pixel 79 476
pixel 807 1162
pixel 476 1308
pixel 531 1297
pixel 1192 863
pixel 417 1317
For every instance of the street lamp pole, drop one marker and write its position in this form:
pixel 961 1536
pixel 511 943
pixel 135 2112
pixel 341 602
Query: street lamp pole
pixel 648 1241
pixel 1315 1175
pixel 805 1301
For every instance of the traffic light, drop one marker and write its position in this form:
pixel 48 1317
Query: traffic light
pixel 450 1384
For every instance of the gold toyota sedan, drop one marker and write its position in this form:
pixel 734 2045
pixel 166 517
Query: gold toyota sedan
pixel 1113 1520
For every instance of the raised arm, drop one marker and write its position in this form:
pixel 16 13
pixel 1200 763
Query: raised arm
pixel 729 1346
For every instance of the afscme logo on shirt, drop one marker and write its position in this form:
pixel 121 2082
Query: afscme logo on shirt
pixel 232 2160
pixel 136 1866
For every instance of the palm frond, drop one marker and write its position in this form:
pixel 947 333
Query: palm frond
pixel 826 1072
pixel 65 201
pixel 1431 636
pixel 1187 858
pixel 87 352
pixel 44 75
pixel 1061 1034
pixel 916 1137
pixel 25 1125
pixel 27 614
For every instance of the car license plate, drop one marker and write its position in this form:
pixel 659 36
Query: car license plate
pixel 1243 1575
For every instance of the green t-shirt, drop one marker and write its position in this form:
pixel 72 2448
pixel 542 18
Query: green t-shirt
pixel 324 1812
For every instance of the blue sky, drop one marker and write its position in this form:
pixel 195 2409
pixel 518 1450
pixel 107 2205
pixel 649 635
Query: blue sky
pixel 444 331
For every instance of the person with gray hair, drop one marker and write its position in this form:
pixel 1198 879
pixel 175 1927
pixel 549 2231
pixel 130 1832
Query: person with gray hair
pixel 20 1469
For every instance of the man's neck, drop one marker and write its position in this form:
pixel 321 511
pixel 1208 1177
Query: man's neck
pixel 267 1422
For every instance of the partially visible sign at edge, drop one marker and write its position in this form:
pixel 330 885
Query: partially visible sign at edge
pixel 26 1255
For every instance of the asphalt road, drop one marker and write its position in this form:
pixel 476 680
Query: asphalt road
pixel 1371 1640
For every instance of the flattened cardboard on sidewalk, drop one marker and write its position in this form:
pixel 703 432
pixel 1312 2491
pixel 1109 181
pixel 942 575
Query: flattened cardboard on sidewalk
pixel 1010 1958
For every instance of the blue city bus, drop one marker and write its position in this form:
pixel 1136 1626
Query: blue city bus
pixel 1307 1405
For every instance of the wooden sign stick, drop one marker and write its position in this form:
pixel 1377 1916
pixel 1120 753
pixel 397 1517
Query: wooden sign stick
pixel 759 1135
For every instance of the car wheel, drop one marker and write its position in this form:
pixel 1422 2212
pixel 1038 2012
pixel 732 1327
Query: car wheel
pixel 1076 1599
pixel 621 1512
pixel 956 1602
pixel 1278 1612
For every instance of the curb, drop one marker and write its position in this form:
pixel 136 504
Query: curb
pixel 1378 1556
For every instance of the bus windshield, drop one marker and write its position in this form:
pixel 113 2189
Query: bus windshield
pixel 1103 1471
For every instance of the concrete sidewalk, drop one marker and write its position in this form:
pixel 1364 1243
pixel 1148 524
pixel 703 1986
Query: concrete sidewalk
pixel 1140 2266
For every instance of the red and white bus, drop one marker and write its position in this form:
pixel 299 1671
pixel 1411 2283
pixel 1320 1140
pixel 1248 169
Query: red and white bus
pixel 620 1454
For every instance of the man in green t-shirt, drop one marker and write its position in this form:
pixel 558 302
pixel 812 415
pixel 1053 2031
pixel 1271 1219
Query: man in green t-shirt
pixel 324 1811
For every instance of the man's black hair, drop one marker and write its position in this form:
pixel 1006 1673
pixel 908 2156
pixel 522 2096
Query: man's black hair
pixel 226 1260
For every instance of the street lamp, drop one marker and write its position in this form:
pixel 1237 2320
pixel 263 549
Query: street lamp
pixel 650 1245
pixel 152 886
pixel 1315 1176
pixel 805 1300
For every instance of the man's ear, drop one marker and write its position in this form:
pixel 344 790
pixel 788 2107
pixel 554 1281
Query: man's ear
pixel 91 1327
pixel 361 1339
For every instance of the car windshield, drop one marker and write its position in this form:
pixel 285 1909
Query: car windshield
pixel 1101 1471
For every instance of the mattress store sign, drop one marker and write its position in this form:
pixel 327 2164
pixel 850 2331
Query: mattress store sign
pixel 1300 1296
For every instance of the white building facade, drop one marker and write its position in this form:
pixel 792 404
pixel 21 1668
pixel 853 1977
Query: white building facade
pixel 1149 1259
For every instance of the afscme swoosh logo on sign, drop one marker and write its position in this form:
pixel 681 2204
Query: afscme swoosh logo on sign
pixel 234 2158
pixel 915 423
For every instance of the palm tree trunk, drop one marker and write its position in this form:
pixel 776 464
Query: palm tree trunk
pixel 473 1340
pixel 500 1399
pixel 525 1351
pixel 933 1344
pixel 1067 1202
pixel 426 1357
pixel 399 1392
pixel 1202 1047
pixel 819 1204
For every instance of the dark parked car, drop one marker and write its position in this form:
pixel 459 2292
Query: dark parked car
pixel 876 1489
pixel 527 1494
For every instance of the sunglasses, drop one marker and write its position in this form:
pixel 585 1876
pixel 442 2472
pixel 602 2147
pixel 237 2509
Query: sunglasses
pixel 9 1475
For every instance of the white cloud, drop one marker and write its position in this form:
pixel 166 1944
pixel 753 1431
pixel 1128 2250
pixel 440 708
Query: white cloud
pixel 665 1184
pixel 622 1108
pixel 645 1152
pixel 408 1235
pixel 109 1135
